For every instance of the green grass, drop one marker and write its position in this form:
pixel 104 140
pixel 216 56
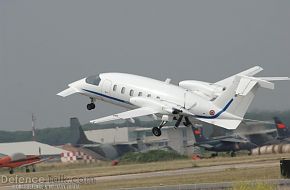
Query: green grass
pixel 151 156
pixel 256 186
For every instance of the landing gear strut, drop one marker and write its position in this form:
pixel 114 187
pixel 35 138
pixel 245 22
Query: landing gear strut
pixel 187 122
pixel 178 122
pixel 92 105
pixel 157 130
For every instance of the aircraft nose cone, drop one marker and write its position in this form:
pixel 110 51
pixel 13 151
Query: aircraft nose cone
pixel 5 160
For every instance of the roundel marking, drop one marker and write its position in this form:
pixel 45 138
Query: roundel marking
pixel 211 112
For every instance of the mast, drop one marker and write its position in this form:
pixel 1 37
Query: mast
pixel 33 127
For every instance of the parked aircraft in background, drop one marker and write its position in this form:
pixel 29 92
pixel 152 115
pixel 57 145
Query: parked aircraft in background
pixel 283 133
pixel 20 160
pixel 229 143
pixel 99 150
pixel 223 103
pixel 282 130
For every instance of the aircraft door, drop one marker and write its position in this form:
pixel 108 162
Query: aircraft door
pixel 189 100
pixel 106 87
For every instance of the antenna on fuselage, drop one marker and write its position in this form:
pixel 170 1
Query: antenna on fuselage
pixel 168 80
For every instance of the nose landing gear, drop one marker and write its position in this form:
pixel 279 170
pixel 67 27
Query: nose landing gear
pixel 92 105
pixel 157 130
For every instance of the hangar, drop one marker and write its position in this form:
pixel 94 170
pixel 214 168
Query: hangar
pixel 30 148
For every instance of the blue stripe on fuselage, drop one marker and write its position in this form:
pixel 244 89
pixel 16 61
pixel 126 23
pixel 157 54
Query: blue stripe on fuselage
pixel 199 116
pixel 219 113
pixel 106 96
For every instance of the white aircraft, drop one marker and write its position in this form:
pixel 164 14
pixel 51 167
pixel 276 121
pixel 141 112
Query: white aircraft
pixel 223 103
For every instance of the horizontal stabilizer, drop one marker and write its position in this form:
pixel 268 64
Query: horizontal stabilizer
pixel 126 115
pixel 273 78
pixel 67 92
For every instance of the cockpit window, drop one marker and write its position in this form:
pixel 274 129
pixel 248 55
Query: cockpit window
pixel 95 80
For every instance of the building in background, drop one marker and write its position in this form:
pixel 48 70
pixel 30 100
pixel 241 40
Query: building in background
pixel 178 139
pixel 31 148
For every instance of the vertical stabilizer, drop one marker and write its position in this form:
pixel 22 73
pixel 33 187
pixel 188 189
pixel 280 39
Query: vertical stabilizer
pixel 240 90
pixel 282 129
pixel 198 134
pixel 78 133
pixel 239 94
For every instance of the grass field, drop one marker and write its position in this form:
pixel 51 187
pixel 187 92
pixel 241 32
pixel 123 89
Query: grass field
pixel 105 169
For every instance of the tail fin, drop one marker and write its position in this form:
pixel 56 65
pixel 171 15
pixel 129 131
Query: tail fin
pixel 198 134
pixel 242 87
pixel 282 129
pixel 239 92
pixel 80 136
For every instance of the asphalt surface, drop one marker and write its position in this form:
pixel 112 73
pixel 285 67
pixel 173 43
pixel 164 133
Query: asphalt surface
pixel 197 170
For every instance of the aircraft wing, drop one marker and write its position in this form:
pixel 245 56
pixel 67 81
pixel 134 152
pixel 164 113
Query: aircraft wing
pixel 203 145
pixel 234 140
pixel 127 115
pixel 67 92
pixel 36 162
pixel 261 132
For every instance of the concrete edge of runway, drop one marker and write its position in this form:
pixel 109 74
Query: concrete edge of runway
pixel 209 186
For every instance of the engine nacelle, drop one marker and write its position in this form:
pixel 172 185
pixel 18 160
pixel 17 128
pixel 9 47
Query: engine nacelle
pixel 208 89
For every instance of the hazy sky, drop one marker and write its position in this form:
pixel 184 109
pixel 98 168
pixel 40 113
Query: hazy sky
pixel 44 45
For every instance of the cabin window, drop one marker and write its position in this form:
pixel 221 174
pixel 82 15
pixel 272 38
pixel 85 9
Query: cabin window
pixel 148 95
pixel 95 80
pixel 140 94
pixel 131 92
pixel 123 90
pixel 115 87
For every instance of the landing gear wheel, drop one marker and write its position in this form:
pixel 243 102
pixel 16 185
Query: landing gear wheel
pixel 91 106
pixel 27 170
pixel 11 171
pixel 156 131
pixel 33 170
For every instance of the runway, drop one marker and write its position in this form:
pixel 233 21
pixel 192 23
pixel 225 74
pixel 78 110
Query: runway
pixel 197 170
pixel 178 172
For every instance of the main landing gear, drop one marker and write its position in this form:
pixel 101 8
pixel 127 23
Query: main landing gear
pixel 11 171
pixel 187 122
pixel 92 105
pixel 27 170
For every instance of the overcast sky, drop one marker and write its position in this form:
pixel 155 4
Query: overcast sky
pixel 44 45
